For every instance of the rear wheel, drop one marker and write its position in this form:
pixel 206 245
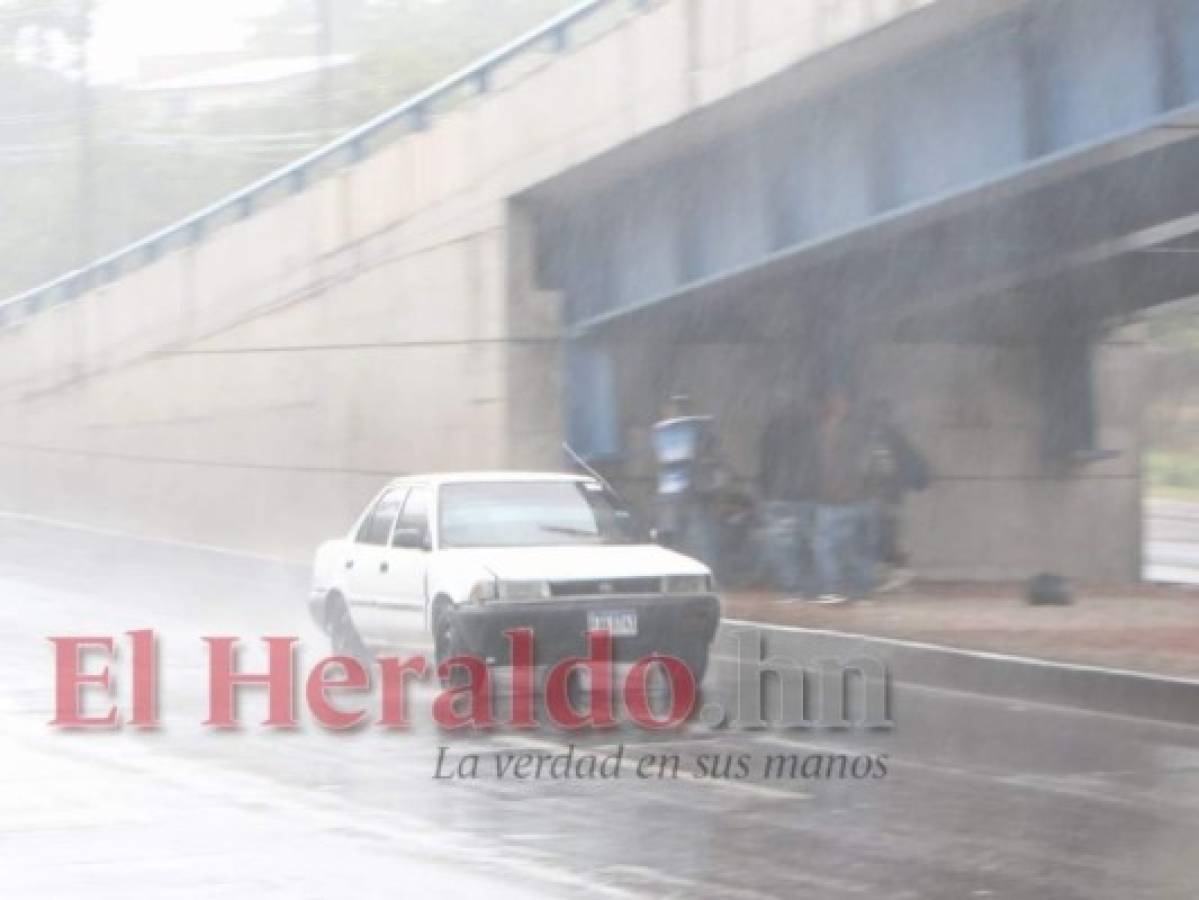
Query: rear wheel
pixel 343 635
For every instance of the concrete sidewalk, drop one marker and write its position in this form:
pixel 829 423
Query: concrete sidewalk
pixel 1149 629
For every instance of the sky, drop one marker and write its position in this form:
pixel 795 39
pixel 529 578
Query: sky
pixel 125 30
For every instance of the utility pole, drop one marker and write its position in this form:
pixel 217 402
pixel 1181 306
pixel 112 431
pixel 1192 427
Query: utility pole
pixel 85 175
pixel 324 50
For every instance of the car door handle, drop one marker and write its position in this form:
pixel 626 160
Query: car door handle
pixel 383 566
pixel 349 563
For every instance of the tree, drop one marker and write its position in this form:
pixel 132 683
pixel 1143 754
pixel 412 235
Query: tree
pixel 145 175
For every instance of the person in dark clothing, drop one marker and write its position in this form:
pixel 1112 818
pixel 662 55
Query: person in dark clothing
pixel 789 467
pixel 832 486
pixel 897 469
pixel 842 528
pixel 788 482
pixel 691 474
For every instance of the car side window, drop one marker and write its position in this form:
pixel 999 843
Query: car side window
pixel 412 529
pixel 376 527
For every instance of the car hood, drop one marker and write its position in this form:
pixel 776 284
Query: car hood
pixel 576 563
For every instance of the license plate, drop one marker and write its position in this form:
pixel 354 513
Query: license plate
pixel 618 624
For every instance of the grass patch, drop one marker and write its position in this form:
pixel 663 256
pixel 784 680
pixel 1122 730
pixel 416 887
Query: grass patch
pixel 1184 495
pixel 1172 474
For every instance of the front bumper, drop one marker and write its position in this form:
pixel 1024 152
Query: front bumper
pixel 672 625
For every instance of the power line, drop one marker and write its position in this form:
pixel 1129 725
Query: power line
pixel 31 13
pixel 38 147
pixel 185 461
pixel 85 235
pixel 51 115
pixel 224 138
pixel 366 345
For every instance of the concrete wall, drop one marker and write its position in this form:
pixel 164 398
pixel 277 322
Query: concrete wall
pixel 995 510
pixel 252 388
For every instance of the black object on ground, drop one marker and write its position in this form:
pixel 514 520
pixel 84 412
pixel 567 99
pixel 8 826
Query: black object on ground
pixel 1047 589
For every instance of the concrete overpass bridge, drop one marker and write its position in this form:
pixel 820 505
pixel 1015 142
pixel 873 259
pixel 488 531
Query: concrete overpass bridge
pixel 958 202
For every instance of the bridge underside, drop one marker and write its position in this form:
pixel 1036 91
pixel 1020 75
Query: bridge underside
pixel 961 313
pixel 1091 236
pixel 994 308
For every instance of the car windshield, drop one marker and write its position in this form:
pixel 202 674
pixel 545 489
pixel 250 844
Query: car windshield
pixel 532 514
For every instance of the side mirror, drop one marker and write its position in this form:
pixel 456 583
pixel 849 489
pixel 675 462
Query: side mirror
pixel 411 539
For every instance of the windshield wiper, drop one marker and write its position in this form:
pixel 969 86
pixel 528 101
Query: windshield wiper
pixel 571 532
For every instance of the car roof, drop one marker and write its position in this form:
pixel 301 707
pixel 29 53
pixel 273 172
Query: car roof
pixel 440 478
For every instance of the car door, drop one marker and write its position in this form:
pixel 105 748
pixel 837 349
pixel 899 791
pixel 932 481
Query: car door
pixel 367 564
pixel 402 599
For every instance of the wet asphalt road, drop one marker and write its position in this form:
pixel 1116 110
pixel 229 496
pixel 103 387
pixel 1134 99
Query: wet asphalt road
pixel 982 798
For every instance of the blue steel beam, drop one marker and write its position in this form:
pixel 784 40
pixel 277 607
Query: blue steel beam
pixel 1081 206
pixel 1007 99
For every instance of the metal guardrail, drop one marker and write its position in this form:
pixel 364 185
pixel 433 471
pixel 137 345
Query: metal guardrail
pixel 412 115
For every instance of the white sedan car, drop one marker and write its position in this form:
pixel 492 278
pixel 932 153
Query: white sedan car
pixel 460 559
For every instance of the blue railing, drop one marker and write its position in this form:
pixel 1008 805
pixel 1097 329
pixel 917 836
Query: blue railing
pixel 411 115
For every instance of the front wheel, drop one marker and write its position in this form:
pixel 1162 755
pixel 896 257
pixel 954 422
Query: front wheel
pixel 695 657
pixel 447 642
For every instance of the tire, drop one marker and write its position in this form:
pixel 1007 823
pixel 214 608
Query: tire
pixel 695 656
pixel 447 639
pixel 343 635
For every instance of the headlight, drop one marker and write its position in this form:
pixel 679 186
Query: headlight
pixel 687 584
pixel 523 590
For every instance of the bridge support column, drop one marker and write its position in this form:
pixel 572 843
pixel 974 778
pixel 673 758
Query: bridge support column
pixel 535 356
pixel 997 509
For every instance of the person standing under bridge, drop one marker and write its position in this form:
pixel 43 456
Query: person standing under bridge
pixel 844 542
pixel 897 468
pixel 789 478
pixel 691 475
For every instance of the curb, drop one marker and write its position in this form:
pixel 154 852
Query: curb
pixel 1118 692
